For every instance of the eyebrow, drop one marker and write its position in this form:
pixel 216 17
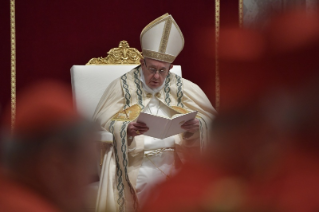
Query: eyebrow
pixel 156 68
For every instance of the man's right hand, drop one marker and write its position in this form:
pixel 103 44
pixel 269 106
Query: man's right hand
pixel 134 129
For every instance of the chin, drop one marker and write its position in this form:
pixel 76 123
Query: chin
pixel 154 86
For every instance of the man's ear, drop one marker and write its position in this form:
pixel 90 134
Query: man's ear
pixel 170 66
pixel 142 61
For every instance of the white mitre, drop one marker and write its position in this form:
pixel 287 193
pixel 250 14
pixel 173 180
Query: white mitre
pixel 162 39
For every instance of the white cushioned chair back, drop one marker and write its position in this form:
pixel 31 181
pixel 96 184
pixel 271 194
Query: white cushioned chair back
pixel 90 81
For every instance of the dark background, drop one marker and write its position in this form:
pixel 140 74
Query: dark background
pixel 54 35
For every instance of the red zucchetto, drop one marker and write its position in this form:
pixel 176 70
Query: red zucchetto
pixel 42 108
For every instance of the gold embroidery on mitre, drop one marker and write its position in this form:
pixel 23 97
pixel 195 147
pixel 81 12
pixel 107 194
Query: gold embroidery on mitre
pixel 158 56
pixel 165 35
pixel 129 114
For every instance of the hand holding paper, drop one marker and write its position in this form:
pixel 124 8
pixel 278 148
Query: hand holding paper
pixel 163 127
pixel 134 129
pixel 191 126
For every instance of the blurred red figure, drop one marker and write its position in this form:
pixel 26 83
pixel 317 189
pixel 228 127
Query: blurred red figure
pixel 50 157
pixel 264 152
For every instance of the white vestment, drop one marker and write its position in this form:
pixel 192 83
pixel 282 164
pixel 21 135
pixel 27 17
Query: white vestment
pixel 127 174
pixel 156 167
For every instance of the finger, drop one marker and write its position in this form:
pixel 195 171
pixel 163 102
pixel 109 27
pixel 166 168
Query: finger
pixel 138 132
pixel 141 128
pixel 134 127
pixel 188 128
pixel 141 124
pixel 143 131
pixel 136 124
pixel 190 122
pixel 191 128
pixel 133 133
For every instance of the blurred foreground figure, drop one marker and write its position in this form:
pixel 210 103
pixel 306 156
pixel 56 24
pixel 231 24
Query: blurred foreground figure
pixel 49 158
pixel 265 152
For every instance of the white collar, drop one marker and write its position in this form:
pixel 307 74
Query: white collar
pixel 148 89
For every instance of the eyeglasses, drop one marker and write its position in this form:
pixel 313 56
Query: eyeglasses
pixel 153 70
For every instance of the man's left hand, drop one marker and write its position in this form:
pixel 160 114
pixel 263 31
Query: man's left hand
pixel 191 126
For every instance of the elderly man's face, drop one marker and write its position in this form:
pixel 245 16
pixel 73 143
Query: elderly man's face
pixel 155 72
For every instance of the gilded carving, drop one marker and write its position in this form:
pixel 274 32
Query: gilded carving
pixel 121 55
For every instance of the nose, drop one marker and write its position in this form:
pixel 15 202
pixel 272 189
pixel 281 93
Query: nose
pixel 156 75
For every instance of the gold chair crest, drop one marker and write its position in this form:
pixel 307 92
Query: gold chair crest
pixel 121 55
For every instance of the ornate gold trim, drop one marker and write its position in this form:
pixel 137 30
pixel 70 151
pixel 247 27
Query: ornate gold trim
pixel 179 109
pixel 128 114
pixel 217 25
pixel 165 35
pixel 121 55
pixel 241 13
pixel 158 56
pixel 13 63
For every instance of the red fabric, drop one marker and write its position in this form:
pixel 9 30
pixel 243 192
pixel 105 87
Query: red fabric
pixel 241 55
pixel 290 185
pixel 43 107
pixel 5 56
pixel 15 197
pixel 294 48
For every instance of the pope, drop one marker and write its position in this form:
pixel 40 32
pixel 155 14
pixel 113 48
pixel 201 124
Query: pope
pixel 136 162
